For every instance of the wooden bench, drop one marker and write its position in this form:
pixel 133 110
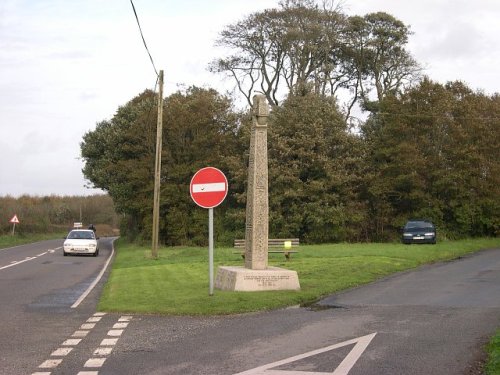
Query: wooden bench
pixel 285 243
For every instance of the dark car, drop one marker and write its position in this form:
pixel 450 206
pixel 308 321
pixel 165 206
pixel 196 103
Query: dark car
pixel 419 231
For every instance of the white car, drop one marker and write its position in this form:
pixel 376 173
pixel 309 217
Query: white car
pixel 81 241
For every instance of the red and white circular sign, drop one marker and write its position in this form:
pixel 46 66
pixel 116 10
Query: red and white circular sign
pixel 208 187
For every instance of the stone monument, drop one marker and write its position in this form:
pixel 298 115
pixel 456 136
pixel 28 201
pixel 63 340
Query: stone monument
pixel 257 275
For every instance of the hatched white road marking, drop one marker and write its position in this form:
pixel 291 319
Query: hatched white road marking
pixel 87 326
pixel 94 319
pixel 99 314
pixel 125 318
pixel 342 369
pixel 120 325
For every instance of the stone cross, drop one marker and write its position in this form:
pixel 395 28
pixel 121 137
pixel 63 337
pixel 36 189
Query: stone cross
pixel 257 211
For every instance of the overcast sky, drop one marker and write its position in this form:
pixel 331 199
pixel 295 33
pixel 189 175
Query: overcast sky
pixel 67 64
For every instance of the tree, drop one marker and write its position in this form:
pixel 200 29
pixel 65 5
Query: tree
pixel 301 47
pixel 199 129
pixel 313 168
pixel 434 154
pixel 281 49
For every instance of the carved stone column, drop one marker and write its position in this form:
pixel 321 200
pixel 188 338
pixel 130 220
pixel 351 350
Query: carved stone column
pixel 257 211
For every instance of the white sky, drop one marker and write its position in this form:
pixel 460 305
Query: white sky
pixel 66 65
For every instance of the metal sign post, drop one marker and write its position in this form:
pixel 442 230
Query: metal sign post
pixel 211 250
pixel 208 189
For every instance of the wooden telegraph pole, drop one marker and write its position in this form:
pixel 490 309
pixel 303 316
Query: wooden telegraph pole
pixel 156 197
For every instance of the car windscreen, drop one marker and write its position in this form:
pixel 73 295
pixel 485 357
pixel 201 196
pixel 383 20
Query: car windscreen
pixel 80 235
pixel 419 225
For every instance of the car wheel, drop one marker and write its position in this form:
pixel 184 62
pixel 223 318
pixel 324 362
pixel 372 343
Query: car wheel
pixel 96 253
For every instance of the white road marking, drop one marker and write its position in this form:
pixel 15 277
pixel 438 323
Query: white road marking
pixel 51 363
pixel 99 314
pixel 108 342
pixel 103 351
pixel 95 362
pixel 115 332
pixel 41 373
pixel 61 352
pixel 342 369
pixel 71 342
pixel 210 187
pixel 94 319
pixel 94 283
pixel 120 325
pixel 16 262
pixel 125 318
pixel 88 373
pixel 80 334
pixel 87 326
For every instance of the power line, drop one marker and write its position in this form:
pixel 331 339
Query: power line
pixel 142 36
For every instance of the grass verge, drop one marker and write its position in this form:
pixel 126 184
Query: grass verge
pixel 493 364
pixel 177 283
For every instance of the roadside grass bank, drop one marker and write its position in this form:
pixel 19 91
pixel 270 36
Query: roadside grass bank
pixel 8 240
pixel 493 350
pixel 177 282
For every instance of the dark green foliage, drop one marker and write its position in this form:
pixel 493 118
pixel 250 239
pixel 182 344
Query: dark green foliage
pixel 434 153
pixel 312 170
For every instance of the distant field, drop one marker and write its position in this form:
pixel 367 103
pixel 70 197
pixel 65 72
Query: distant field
pixel 177 283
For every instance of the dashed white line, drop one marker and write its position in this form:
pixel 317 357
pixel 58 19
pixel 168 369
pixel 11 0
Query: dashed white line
pixel 120 325
pixel 80 334
pixel 71 342
pixel 103 351
pixel 51 363
pixel 88 373
pixel 95 362
pixel 87 326
pixel 115 332
pixel 61 352
pixel 125 318
pixel 94 319
pixel 106 342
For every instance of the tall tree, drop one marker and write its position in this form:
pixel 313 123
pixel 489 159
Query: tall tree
pixel 434 154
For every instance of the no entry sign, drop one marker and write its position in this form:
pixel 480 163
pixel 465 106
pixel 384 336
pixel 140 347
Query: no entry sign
pixel 208 187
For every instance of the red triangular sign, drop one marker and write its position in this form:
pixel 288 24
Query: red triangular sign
pixel 14 220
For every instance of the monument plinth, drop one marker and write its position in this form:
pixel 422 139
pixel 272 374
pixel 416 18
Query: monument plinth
pixel 256 275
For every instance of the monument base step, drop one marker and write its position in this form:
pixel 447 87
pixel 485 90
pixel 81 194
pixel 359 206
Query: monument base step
pixel 248 280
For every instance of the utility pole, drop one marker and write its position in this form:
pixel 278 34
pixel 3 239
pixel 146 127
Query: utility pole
pixel 156 197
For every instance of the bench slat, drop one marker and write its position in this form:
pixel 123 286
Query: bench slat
pixel 272 242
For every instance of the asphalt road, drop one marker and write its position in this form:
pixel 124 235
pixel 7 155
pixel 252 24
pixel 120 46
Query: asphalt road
pixel 38 286
pixel 433 320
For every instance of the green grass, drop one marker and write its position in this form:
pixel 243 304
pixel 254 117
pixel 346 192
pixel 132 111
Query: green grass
pixel 177 283
pixel 8 240
pixel 493 364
